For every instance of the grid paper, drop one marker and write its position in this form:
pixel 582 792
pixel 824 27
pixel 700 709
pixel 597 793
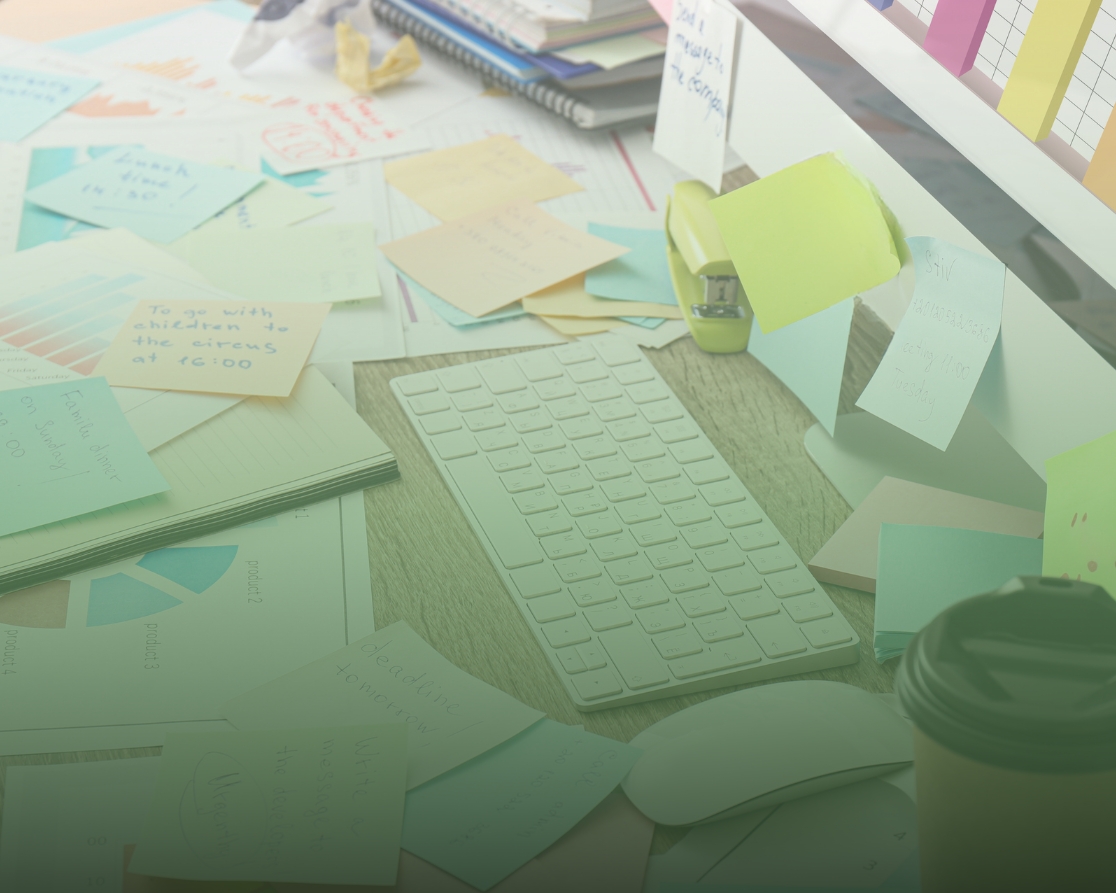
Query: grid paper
pixel 924 9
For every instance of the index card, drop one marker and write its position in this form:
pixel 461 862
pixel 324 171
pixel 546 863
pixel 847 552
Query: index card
pixel 392 676
pixel 321 805
pixel 462 180
pixel 217 347
pixel 155 196
pixel 640 275
pixel 66 450
pixel 28 99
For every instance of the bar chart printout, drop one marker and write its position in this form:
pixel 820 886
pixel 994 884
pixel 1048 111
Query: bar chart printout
pixel 956 31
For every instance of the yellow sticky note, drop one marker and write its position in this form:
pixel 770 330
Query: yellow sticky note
pixel 1045 62
pixel 570 298
pixel 216 347
pixel 1079 534
pixel 805 238
pixel 573 327
pixel 488 260
pixel 461 180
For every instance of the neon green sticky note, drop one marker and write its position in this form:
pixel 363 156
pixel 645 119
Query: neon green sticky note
pixel 806 238
pixel 1080 531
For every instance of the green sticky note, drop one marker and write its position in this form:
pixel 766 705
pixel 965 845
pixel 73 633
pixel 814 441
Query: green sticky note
pixel 640 275
pixel 66 450
pixel 1080 528
pixel 924 570
pixel 805 238
pixel 28 99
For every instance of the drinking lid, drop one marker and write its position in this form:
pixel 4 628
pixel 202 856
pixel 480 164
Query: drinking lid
pixel 1023 678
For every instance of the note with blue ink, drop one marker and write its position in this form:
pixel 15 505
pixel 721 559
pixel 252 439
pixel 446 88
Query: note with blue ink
pixel 156 196
pixel 28 99
pixel 67 450
pixel 491 815
pixel 931 368
pixel 640 275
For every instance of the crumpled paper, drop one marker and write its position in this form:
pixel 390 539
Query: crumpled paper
pixel 354 67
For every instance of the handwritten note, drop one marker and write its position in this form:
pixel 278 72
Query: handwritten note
pixel 65 450
pixel 930 370
pixel 640 275
pixel 487 818
pixel 28 99
pixel 692 121
pixel 272 205
pixel 308 806
pixel 488 260
pixel 156 196
pixel 392 676
pixel 216 347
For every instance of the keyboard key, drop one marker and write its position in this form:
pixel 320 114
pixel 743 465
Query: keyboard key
pixel 823 633
pixel 574 352
pixel 719 558
pixel 669 555
pixel 563 545
pixel 692 512
pixel 508 460
pixel 598 525
pixel 685 579
pixel 672 491
pixel 660 620
pixel 590 448
pixel 614 410
pixel 567 408
pixel 707 472
pixel 608 469
pixel 788 583
pixel 555 390
pixel 608 617
pixel 471 400
pixel 693 451
pixel 543 441
pixel 629 570
pixel 533 420
pixel 739 514
pixel 440 422
pixel 807 607
pixel 596 391
pixel 428 403
pixel 752 605
pixel 547 523
pixel 483 420
pixel 641 450
pixel 633 658
pixel 575 429
pixel 596 685
pixel 645 594
pixel 570 660
pixel 673 645
pixel 723 656
pixel 593 370
pixel 518 402
pixel 524 479
pixel 736 580
pixel 768 561
pixel 458 378
pixel 674 432
pixel 617 351
pixel 612 548
pixel 664 411
pixel 724 493
pixel 535 581
pixel 647 393
pixel 698 536
pixel 654 470
pixel 552 607
pixel 561 633
pixel 502 375
pixel 573 570
pixel 628 429
pixel 717 629
pixel 567 482
pixel 557 460
pixel 701 603
pixel 499 439
pixel 454 445
pixel 652 533
pixel 592 654
pixel 538 366
pixel 511 539
pixel 635 511
pixel 535 501
pixel 593 592
pixel 777 636
pixel 758 537
pixel 413 385
pixel 585 504
pixel 633 374
pixel 622 490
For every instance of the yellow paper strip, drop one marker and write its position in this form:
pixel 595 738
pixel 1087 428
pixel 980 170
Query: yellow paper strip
pixel 570 298
pixel 1100 178
pixel 567 325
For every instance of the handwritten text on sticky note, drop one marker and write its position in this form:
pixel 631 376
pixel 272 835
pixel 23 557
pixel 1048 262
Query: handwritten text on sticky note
pixel 28 99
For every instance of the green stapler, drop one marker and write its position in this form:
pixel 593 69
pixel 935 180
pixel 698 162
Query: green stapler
pixel 705 283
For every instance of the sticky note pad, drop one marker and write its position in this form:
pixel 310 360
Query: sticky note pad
pixel 805 238
pixel 461 180
pixel 488 260
pixel 486 818
pixel 924 570
pixel 956 31
pixel 216 347
pixel 931 368
pixel 640 275
pixel 66 450
pixel 311 806
pixel 155 196
pixel 28 99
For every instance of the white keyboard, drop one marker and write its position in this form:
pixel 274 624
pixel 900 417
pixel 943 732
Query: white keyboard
pixel 639 560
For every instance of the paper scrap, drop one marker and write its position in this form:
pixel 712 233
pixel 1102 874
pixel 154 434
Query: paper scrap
pixel 308 264
pixel 321 805
pixel 849 557
pixel 612 52
pixel 462 180
pixel 391 676
pixel 485 819
pixel 570 298
pixel 28 99
pixel 490 259
pixel 573 327
pixel 640 275
pixel 460 318
pixel 692 121
pixel 66 450
pixel 924 570
pixel 354 70
pixel 155 196
pixel 272 205
pixel 931 368
pixel 216 347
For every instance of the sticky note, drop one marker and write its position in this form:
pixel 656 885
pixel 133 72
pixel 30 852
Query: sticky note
pixel 1080 535
pixel 956 31
pixel 932 366
pixel 570 298
pixel 459 318
pixel 692 120
pixel 271 205
pixel 307 264
pixel 805 238
pixel 572 327
pixel 1045 62
pixel 640 275
pixel 391 676
pixel 485 819
pixel 66 450
pixel 1100 176
pixel 321 805
pixel 462 180
pixel 490 259
pixel 28 99
pixel 155 196
pixel 216 347
pixel 924 570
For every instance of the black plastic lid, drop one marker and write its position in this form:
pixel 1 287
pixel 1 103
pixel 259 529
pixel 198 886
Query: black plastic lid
pixel 1022 678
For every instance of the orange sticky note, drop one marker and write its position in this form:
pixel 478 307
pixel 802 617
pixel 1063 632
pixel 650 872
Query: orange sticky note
pixel 1100 178
pixel 216 347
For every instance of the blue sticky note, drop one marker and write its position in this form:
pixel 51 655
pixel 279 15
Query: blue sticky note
pixel 156 196
pixel 924 570
pixel 483 820
pixel 28 99
pixel 640 275
pixel 66 450
pixel 454 316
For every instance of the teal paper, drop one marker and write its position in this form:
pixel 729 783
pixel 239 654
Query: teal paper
pixel 65 450
pixel 924 570
pixel 647 322
pixel 28 99
pixel 38 225
pixel 454 316
pixel 640 275
pixel 483 820
pixel 155 196
pixel 808 356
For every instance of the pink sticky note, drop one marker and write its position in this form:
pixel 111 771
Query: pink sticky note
pixel 664 8
pixel 956 31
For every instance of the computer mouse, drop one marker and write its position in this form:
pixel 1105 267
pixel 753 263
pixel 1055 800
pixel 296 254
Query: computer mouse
pixel 762 746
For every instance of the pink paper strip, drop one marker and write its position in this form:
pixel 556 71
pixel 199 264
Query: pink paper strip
pixel 956 31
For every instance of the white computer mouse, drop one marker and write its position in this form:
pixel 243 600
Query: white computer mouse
pixel 761 746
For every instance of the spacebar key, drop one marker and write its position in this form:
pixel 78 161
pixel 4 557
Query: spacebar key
pixel 633 657
pixel 497 515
